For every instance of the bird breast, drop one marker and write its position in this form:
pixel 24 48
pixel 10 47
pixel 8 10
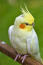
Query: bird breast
pixel 19 41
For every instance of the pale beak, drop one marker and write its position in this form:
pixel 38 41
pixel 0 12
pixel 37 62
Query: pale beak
pixel 33 24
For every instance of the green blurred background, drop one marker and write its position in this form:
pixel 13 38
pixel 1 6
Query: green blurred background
pixel 9 10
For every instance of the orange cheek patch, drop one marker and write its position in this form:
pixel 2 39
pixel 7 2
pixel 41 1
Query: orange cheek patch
pixel 22 26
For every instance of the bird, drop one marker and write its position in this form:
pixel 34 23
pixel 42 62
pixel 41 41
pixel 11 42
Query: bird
pixel 23 36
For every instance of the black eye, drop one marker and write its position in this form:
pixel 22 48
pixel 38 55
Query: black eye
pixel 26 23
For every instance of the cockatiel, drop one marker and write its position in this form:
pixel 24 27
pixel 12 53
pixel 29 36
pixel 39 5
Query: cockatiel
pixel 23 36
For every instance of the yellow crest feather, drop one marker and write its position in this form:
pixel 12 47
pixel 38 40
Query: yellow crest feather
pixel 27 16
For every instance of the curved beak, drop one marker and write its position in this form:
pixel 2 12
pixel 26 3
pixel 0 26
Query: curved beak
pixel 33 24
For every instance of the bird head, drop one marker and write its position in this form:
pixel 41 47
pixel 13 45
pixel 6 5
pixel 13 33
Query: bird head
pixel 25 21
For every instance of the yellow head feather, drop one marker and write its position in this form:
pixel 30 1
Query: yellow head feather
pixel 27 16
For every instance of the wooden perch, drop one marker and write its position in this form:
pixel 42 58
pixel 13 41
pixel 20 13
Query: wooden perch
pixel 9 51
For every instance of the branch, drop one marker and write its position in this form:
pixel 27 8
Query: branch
pixel 9 51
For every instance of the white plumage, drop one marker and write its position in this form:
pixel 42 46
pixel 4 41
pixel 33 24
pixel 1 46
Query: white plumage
pixel 24 42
